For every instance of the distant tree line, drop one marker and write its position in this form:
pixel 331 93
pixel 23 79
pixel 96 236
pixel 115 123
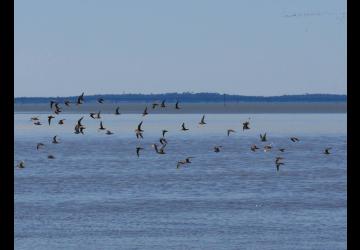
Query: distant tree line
pixel 190 98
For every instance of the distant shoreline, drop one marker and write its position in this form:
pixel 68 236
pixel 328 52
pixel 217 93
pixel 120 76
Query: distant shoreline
pixel 193 108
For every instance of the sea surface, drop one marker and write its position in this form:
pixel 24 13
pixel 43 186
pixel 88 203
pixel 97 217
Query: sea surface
pixel 97 194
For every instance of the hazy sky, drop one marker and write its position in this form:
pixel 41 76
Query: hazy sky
pixel 243 47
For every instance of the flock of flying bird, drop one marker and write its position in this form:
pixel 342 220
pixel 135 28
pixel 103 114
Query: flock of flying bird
pixel 79 129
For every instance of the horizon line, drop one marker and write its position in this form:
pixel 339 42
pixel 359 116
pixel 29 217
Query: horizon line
pixel 181 93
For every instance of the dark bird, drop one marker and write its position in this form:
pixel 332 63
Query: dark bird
pixel 183 162
pixel 183 127
pixel 39 145
pixel 327 151
pixel 294 139
pixel 57 106
pixel 101 126
pixel 108 132
pixel 202 122
pixel 67 103
pixel 52 104
pixel 49 118
pixel 79 129
pixel 139 135
pixel 139 127
pixel 82 129
pixel 138 131
pixel 278 163
pixel 282 149
pixel 61 122
pixel 138 151
pixel 80 99
pixel 100 100
pixel 21 164
pixel 35 118
pixel 154 105
pixel 92 115
pixel 267 148
pixel 54 140
pixel 117 111
pixel 163 104
pixel 163 141
pixel 263 137
pixel 51 157
pixel 163 132
pixel 159 151
pixel 246 125
pixel 37 123
pixel 79 121
pixel 254 148
pixel 145 111
pixel 177 105
pixel 217 149
pixel 229 131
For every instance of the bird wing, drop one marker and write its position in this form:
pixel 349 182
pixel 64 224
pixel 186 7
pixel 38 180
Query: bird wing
pixel 139 126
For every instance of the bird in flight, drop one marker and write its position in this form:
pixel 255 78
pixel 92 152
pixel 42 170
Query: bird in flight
pixel 159 151
pixel 54 140
pixel 183 162
pixel 154 105
pixel 246 125
pixel 163 132
pixel 263 137
pixel 80 99
pixel 101 126
pixel 145 111
pixel 267 148
pixel 254 148
pixel 278 163
pixel 294 139
pixel 217 149
pixel 327 151
pixel 163 104
pixel 117 111
pixel 57 108
pixel 49 118
pixel 100 100
pixel 21 164
pixel 35 118
pixel 183 127
pixel 202 122
pixel 52 104
pixel 39 145
pixel 139 131
pixel 163 141
pixel 230 131
pixel 138 151
pixel 177 105
pixel 67 103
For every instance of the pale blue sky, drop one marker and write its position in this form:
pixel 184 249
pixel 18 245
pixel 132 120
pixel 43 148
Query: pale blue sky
pixel 244 47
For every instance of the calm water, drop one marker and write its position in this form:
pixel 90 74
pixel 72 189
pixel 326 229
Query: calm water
pixel 97 194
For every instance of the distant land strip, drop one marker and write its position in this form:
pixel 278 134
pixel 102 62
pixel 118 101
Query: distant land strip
pixel 188 97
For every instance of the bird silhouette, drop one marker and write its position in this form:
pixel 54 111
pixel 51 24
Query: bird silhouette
pixel 263 137
pixel 202 122
pixel 183 127
pixel 138 151
pixel 230 131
